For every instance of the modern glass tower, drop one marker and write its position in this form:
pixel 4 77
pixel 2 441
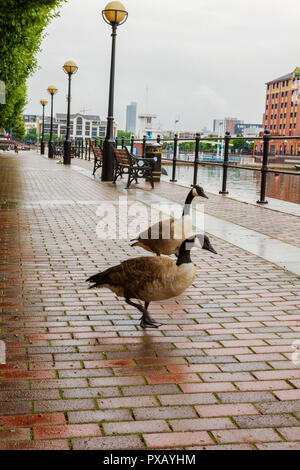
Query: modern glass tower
pixel 131 117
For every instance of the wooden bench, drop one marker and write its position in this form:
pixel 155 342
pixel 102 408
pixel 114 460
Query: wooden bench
pixel 57 150
pixel 126 163
pixel 98 158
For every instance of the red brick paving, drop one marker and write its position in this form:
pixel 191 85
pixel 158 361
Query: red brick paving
pixel 81 374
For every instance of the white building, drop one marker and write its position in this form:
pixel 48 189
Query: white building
pixel 147 126
pixel 82 126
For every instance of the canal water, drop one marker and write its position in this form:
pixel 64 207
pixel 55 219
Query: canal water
pixel 279 186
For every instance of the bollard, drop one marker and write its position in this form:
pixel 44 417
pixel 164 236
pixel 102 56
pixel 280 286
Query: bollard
pixel 89 149
pixel 158 139
pixel 264 168
pixel 123 142
pixel 85 150
pixel 173 180
pixel 225 163
pixel 196 161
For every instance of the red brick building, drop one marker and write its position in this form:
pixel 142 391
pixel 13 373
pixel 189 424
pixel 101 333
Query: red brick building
pixel 282 114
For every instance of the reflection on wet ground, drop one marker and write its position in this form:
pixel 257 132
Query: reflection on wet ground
pixel 279 186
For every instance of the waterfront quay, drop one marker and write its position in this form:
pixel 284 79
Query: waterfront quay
pixel 223 370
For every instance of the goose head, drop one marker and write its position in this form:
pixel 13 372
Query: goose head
pixel 199 241
pixel 198 191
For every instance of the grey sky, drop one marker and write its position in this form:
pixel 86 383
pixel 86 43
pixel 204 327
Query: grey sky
pixel 201 59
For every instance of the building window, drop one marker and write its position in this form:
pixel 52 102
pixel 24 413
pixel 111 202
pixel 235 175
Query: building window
pixel 282 94
pixel 286 93
pixel 280 126
pixel 283 126
pixel 276 106
pixel 287 82
pixel 295 126
pixel 285 105
pixel 276 95
pixel 267 97
pixel 271 127
pixel 275 116
pixel 284 115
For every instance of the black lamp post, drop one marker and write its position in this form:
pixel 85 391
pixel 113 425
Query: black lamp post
pixel 69 67
pixel 52 90
pixel 115 15
pixel 43 103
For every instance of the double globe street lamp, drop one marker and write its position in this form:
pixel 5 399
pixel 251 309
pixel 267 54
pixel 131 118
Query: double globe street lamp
pixel 43 103
pixel 70 68
pixel 115 15
pixel 52 90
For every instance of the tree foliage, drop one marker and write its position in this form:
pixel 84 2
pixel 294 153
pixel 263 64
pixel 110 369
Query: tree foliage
pixel 22 23
pixel 238 144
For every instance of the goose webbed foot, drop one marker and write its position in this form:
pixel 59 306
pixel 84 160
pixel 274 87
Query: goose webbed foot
pixel 147 322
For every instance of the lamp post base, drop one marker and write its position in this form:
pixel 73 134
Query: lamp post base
pixel 261 202
pixel 223 192
pixel 42 148
pixel 50 151
pixel 108 161
pixel 67 152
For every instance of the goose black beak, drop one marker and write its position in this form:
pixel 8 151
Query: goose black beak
pixel 208 246
pixel 212 250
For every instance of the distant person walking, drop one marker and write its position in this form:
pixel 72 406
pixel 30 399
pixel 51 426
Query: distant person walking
pixel 16 149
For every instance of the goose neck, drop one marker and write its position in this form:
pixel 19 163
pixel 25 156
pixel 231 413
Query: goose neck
pixel 187 204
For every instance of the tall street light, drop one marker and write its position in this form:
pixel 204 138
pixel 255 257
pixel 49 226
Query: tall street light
pixel 52 90
pixel 70 68
pixel 115 15
pixel 43 103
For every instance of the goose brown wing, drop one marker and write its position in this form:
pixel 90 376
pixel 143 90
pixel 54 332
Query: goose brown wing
pixel 137 273
pixel 159 231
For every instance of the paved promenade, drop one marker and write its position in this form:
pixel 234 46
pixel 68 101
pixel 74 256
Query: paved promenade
pixel 221 373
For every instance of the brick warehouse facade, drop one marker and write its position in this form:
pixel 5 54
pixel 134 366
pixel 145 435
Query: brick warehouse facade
pixel 281 115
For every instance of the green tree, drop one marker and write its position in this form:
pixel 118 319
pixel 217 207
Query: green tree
pixel 31 135
pixel 22 23
pixel 238 144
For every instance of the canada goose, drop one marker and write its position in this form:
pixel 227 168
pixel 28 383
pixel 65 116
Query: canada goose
pixel 166 236
pixel 150 278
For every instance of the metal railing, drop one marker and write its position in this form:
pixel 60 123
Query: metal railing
pixel 226 162
pixel 81 148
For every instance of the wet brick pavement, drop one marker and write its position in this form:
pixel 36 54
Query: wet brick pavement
pixel 81 374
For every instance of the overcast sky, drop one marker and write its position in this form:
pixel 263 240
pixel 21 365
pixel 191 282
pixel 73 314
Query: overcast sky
pixel 201 59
